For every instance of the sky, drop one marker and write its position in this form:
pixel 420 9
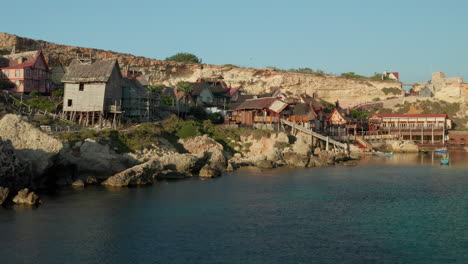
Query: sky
pixel 413 37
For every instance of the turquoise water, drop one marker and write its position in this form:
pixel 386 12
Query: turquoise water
pixel 406 209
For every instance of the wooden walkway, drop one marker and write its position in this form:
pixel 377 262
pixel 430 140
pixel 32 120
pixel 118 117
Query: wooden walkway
pixel 328 140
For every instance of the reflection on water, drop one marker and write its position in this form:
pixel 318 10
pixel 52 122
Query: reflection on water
pixel 458 159
pixel 404 209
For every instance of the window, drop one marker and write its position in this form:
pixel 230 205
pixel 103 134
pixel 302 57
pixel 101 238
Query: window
pixel 70 102
pixel 17 83
pixel 81 87
pixel 17 73
pixel 7 73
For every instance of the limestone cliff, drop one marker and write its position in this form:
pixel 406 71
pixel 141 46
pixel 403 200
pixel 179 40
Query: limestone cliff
pixel 255 81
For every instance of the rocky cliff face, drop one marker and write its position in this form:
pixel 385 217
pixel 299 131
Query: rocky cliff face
pixel 254 81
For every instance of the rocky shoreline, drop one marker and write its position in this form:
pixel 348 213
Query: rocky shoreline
pixel 32 160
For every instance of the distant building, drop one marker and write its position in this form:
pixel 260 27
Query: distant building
pixel 426 128
pixel 26 71
pixel 93 92
pixel 390 76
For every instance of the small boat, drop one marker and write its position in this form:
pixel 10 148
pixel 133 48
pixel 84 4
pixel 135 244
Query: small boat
pixel 384 154
pixel 444 161
pixel 441 150
pixel 424 152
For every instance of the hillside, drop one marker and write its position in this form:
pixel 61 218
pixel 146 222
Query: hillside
pixel 255 81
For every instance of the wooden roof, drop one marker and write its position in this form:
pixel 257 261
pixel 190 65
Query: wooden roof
pixel 97 72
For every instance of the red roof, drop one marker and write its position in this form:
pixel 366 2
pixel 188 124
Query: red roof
pixel 28 59
pixel 411 115
pixel 397 75
pixel 232 91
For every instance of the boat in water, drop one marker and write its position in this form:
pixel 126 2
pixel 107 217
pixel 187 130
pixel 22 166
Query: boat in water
pixel 444 161
pixel 441 150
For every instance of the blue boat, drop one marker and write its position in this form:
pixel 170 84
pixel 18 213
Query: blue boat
pixel 384 154
pixel 442 150
pixel 444 161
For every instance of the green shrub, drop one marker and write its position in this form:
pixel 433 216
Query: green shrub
pixel 216 118
pixel 198 112
pixel 35 93
pixel 184 57
pixel 58 93
pixel 42 103
pixel 188 130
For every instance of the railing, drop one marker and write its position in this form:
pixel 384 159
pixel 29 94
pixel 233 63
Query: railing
pixel 314 134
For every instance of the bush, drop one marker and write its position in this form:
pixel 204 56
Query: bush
pixel 35 93
pixel 42 104
pixel 198 112
pixel 5 84
pixel 58 93
pixel 184 57
pixel 216 118
pixel 188 130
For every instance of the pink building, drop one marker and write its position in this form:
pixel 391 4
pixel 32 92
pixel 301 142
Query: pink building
pixel 27 71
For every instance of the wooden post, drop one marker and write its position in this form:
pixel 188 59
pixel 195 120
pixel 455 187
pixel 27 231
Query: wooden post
pixel 433 135
pixel 326 146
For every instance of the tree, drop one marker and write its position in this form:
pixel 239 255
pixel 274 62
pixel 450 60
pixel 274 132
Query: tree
pixel 184 57
pixel 155 89
pixel 184 87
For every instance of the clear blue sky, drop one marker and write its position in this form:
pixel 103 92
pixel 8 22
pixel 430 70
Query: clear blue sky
pixel 413 37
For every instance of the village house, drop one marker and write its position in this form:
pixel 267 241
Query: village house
pixel 263 113
pixel 139 104
pixel 93 93
pixel 425 128
pixel 26 71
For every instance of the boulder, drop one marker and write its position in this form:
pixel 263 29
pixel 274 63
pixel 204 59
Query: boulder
pixel 184 164
pixel 209 172
pixel 31 144
pixel 15 174
pixel 3 194
pixel 200 144
pixel 303 145
pixel 26 197
pixel 326 158
pixel 265 164
pixel 217 160
pixel 91 158
pixel 78 183
pixel 229 167
pixel 137 175
pixel 294 159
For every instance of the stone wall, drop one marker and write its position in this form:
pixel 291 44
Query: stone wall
pixel 254 81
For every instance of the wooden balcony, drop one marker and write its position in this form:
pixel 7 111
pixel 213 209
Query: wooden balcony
pixel 266 119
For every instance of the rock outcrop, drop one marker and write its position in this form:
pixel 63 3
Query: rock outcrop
pixel 89 158
pixel 3 194
pixel 14 173
pixel 26 197
pixel 254 81
pixel 137 175
pixel 31 144
pixel 176 164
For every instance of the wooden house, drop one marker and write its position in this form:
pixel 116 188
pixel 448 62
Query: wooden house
pixel 261 110
pixel 93 93
pixel 26 71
